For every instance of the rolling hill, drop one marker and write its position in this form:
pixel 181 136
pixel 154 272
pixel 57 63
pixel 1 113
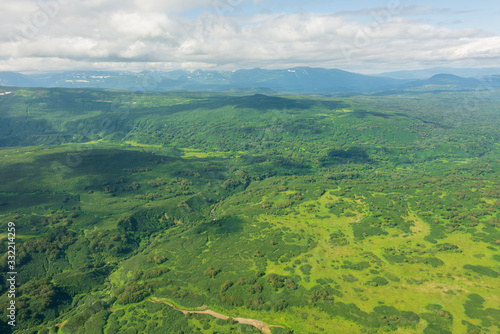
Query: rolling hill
pixel 208 212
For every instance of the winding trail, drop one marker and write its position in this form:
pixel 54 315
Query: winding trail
pixel 262 326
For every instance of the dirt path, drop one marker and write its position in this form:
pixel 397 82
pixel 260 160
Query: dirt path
pixel 212 211
pixel 263 327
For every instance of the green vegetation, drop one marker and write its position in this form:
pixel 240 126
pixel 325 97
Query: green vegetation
pixel 313 214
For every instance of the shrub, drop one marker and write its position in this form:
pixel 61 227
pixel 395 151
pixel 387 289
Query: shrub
pixel 212 272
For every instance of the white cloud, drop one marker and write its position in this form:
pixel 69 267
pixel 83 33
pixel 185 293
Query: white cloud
pixel 136 25
pixel 99 33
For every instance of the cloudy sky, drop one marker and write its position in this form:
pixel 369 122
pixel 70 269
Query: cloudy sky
pixel 366 36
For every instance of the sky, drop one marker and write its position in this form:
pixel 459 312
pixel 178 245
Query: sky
pixel 366 36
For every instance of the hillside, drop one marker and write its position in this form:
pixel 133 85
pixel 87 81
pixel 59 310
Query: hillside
pixel 205 212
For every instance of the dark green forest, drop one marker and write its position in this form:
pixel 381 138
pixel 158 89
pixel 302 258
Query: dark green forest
pixel 186 212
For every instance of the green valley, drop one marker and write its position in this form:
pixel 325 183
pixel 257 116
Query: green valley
pixel 311 214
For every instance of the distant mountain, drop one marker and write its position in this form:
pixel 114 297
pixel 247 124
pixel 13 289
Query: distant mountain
pixel 302 79
pixel 293 80
pixel 446 80
pixel 314 80
pixel 491 81
pixel 427 73
pixel 15 79
pixel 94 79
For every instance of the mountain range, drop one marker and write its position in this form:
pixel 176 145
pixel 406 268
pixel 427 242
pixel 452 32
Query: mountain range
pixel 294 80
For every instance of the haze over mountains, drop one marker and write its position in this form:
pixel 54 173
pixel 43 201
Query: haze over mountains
pixel 296 80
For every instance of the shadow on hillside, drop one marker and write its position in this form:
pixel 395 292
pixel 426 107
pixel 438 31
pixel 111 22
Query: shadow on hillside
pixel 62 172
pixel 364 114
pixel 264 102
pixel 354 155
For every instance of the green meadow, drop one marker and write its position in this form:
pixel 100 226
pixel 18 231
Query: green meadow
pixel 310 214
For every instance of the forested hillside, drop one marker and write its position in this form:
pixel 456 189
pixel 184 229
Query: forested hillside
pixel 281 214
